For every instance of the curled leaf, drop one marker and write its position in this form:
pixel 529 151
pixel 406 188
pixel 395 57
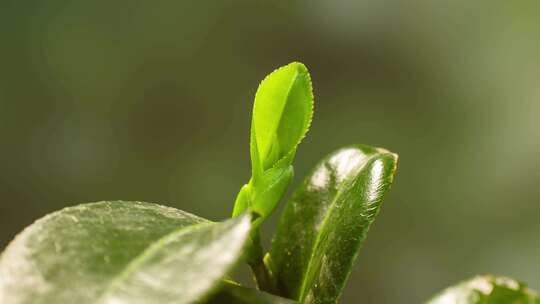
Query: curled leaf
pixel 327 220
pixel 282 114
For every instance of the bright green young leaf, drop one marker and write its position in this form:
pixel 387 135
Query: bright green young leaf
pixel 282 114
pixel 327 220
pixel 120 252
pixel 274 184
pixel 234 294
pixel 487 290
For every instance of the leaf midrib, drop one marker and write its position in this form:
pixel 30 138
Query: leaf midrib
pixel 276 127
pixel 141 257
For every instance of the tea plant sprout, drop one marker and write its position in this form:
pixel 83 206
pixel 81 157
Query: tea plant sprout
pixel 117 252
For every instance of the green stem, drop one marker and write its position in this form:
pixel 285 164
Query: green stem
pixel 254 252
pixel 261 274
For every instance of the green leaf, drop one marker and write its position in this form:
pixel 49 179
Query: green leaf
pixel 120 252
pixel 487 290
pixel 282 114
pixel 272 186
pixel 235 294
pixel 327 220
pixel 274 183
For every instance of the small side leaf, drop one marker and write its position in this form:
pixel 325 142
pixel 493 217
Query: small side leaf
pixel 235 294
pixel 120 252
pixel 274 184
pixel 327 220
pixel 487 289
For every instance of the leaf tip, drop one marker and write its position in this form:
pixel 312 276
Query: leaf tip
pixel 299 66
pixel 391 159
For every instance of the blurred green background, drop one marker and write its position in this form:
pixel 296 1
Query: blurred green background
pixel 151 100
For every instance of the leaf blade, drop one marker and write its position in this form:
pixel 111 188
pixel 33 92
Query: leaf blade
pixel 327 220
pixel 200 271
pixel 75 255
pixel 235 294
pixel 282 112
pixel 487 289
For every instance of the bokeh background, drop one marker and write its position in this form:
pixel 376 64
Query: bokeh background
pixel 151 100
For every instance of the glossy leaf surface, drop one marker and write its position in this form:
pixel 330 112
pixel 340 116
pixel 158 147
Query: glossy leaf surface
pixel 327 220
pixel 487 290
pixel 234 294
pixel 119 252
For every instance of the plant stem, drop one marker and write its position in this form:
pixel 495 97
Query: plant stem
pixel 261 275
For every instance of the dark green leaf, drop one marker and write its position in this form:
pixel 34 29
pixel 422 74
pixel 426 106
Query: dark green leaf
pixel 487 290
pixel 234 294
pixel 119 252
pixel 327 220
